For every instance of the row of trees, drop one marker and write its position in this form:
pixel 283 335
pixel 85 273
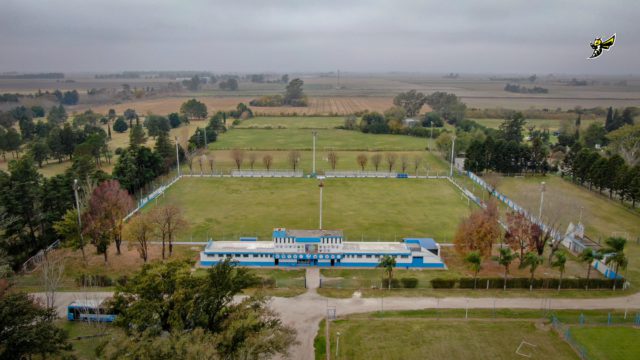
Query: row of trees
pixel 588 167
pixel 524 241
pixel 504 150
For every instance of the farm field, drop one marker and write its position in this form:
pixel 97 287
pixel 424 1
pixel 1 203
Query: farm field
pixel 223 161
pixel 321 105
pixel 369 209
pixel 424 338
pixel 610 343
pixel 301 139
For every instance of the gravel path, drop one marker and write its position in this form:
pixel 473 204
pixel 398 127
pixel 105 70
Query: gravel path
pixel 304 312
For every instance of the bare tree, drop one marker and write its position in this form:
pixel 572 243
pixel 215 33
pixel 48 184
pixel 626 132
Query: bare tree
pixel 267 160
pixel 238 157
pixel 167 220
pixel 52 274
pixel 362 160
pixel 294 159
pixel 211 163
pixel 202 159
pixel 139 229
pixel 404 162
pixel 333 159
pixel 252 159
pixel 417 160
pixel 391 160
pixel 376 159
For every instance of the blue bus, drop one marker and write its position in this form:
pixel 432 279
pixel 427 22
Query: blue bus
pixel 89 310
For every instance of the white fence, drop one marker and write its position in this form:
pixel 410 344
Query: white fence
pixel 360 174
pixel 36 259
pixel 267 173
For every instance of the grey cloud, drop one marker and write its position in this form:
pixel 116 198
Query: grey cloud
pixel 297 35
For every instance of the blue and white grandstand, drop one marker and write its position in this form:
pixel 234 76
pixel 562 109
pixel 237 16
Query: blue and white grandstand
pixel 290 248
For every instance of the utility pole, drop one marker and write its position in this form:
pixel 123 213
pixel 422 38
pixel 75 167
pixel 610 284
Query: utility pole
pixel 75 192
pixel 177 157
pixel 337 343
pixel 541 200
pixel 431 139
pixel 315 133
pixel 453 146
pixel 321 186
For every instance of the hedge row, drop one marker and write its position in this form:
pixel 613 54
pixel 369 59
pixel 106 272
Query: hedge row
pixel 522 283
pixel 407 283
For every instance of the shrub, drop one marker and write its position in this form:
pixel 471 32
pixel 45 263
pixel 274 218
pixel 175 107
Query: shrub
pixel 443 283
pixel 409 283
pixel 122 280
pixel 120 125
pixel 119 151
pixel 395 283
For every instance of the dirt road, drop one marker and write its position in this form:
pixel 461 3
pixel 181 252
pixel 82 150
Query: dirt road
pixel 304 312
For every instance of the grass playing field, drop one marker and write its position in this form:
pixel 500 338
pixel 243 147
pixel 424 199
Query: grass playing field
pixel 282 122
pixel 372 209
pixel 424 338
pixel 346 161
pixel 611 343
pixel 301 139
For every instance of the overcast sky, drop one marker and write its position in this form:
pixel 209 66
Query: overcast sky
pixel 488 36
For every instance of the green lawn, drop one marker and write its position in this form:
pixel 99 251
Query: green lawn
pixel 611 343
pixel 301 122
pixel 420 338
pixel 369 209
pixel 286 139
pixel 551 124
pixel 223 161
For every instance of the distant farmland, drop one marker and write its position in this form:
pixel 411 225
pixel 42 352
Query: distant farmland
pixel 317 105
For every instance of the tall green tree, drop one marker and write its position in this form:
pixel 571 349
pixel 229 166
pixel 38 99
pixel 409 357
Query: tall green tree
pixel 559 261
pixel 28 330
pixel 614 254
pixel 474 261
pixel 193 109
pixel 137 137
pixel 449 106
pixel 511 127
pixel 294 94
pixel 505 258
pixel 411 101
pixel 388 263
pixel 531 260
pixel 588 256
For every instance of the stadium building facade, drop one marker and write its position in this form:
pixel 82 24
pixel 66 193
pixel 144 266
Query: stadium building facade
pixel 326 248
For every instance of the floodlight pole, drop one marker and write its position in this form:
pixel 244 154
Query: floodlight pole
pixel 75 192
pixel 431 138
pixel 177 157
pixel 453 146
pixel 541 200
pixel 321 186
pixel 315 133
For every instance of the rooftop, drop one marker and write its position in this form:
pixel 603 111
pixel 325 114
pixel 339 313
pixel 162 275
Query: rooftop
pixel 313 233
